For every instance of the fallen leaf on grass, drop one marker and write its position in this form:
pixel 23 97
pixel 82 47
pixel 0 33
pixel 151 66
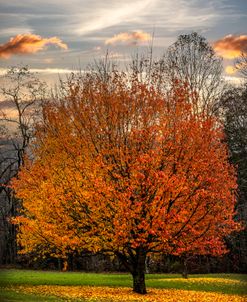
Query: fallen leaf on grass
pixel 110 294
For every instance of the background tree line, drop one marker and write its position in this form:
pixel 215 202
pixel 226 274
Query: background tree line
pixel 190 59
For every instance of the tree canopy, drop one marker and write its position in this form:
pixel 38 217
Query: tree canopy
pixel 120 168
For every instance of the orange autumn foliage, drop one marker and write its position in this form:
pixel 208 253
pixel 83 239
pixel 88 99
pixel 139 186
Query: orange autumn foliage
pixel 119 167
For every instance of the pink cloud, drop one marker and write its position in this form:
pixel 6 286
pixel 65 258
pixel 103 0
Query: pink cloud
pixel 129 38
pixel 231 47
pixel 27 44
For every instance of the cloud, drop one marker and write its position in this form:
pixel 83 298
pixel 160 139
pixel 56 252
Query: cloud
pixel 129 38
pixel 97 48
pixel 53 70
pixel 48 60
pixel 230 47
pixel 26 44
pixel 234 80
pixel 113 55
pixel 104 14
pixel 230 70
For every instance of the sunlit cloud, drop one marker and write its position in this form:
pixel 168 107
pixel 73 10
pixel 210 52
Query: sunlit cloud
pixel 231 47
pixel 230 69
pixel 27 44
pixel 129 38
pixel 10 113
pixel 52 70
pixel 7 109
pixel 97 48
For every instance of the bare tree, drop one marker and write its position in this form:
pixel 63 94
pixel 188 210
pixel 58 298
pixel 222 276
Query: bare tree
pixel 241 64
pixel 192 60
pixel 22 93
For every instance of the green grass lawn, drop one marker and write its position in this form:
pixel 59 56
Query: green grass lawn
pixel 11 296
pixel 222 283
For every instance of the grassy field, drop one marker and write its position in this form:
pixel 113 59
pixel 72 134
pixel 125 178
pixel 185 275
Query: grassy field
pixel 24 285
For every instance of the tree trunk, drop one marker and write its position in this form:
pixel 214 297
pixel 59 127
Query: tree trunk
pixel 139 283
pixel 135 264
pixel 185 269
pixel 138 274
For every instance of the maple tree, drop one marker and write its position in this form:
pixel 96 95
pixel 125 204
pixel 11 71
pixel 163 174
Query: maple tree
pixel 119 168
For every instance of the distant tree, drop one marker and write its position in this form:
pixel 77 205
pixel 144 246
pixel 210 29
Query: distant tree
pixel 241 64
pixel 121 169
pixel 234 106
pixel 21 92
pixel 192 60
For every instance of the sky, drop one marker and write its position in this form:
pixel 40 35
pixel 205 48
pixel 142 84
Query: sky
pixel 54 37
